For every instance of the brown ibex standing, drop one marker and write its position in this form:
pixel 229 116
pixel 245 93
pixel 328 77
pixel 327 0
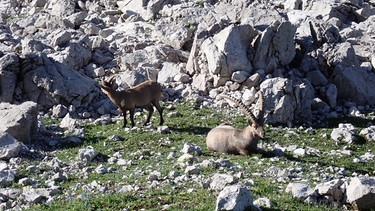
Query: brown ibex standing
pixel 145 95
pixel 226 139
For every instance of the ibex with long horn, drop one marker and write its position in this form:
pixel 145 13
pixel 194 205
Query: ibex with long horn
pixel 145 95
pixel 227 139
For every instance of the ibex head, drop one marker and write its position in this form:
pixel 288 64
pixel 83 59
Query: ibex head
pixel 254 122
pixel 107 85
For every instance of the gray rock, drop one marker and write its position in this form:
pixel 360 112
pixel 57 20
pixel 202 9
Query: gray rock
pixel 345 133
pixel 68 122
pixel 253 80
pixel 263 202
pixel 240 76
pixel 219 181
pixel 278 37
pixel 8 82
pixel 48 82
pixel 175 34
pixel 154 176
pixel 355 84
pixel 168 72
pixel 59 111
pixel 234 197
pixel 331 188
pixel 32 197
pixel 7 177
pixel 229 45
pixel 331 95
pixel 163 129
pixel 299 152
pixel 317 78
pixel 61 38
pixel 360 191
pixel 368 133
pixel 225 163
pixel 9 146
pixel 87 154
pixel 190 170
pixel 279 99
pixel 60 8
pixel 300 190
pixel 101 169
pixel 20 121
pixel 190 148
pixel 126 188
pixel 59 177
pixel 187 159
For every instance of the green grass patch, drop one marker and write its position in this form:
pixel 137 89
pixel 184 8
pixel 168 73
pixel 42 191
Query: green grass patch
pixel 148 150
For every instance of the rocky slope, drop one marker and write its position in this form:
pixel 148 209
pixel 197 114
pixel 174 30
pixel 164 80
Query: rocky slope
pixel 312 60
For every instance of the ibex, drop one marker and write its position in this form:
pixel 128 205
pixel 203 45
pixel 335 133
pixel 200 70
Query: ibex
pixel 145 95
pixel 226 139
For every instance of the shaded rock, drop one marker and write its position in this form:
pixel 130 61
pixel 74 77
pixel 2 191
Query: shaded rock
pixel 9 146
pixel 331 95
pixel 20 121
pixel 368 133
pixel 354 84
pixel 360 191
pixel 331 188
pixel 190 170
pixel 8 82
pixel 7 177
pixel 317 78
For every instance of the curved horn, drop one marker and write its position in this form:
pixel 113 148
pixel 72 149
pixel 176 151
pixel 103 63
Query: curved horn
pixel 261 107
pixel 243 107
pixel 109 80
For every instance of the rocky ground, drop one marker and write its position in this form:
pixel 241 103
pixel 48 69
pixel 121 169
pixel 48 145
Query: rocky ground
pixel 313 60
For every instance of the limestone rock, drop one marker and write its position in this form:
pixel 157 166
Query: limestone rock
pixel 219 181
pixel 9 146
pixel 20 121
pixel 234 197
pixel 361 192
pixel 300 190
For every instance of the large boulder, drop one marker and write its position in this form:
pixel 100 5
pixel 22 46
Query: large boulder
pixel 275 47
pixel 227 51
pixel 8 82
pixel 9 146
pixel 360 191
pixel 48 83
pixel 20 121
pixel 280 103
pixel 175 34
pixel 355 84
